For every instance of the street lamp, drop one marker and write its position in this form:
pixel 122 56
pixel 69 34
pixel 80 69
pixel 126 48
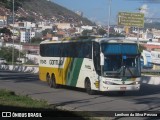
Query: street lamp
pixel 109 14
pixel 13 36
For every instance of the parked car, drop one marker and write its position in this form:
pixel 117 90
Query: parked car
pixel 3 61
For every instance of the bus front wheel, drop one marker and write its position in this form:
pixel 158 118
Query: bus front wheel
pixel 88 87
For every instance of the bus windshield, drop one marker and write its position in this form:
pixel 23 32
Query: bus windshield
pixel 121 60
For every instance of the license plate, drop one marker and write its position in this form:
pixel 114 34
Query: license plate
pixel 122 88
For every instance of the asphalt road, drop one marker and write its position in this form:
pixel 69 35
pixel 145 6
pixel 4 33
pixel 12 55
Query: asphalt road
pixel 147 99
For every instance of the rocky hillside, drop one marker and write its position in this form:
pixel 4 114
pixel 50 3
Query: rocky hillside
pixel 37 10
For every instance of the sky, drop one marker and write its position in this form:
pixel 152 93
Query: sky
pixel 98 10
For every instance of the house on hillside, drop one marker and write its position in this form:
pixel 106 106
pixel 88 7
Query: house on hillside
pixel 3 21
pixel 63 25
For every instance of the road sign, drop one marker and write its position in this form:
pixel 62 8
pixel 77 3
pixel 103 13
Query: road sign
pixel 131 19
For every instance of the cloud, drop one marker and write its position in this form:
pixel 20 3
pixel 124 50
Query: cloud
pixel 144 9
pixel 151 15
pixel 147 12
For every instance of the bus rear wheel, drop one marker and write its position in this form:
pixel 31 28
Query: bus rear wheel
pixel 49 81
pixel 55 85
pixel 88 87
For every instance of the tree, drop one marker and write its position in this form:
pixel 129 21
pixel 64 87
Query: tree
pixel 46 31
pixel 6 53
pixel 101 31
pixel 86 32
pixel 141 48
pixel 36 40
pixel 5 31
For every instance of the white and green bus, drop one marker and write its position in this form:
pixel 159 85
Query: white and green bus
pixel 101 64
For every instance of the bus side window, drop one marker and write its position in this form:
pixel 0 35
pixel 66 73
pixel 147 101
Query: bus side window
pixel 88 50
pixel 42 50
pixel 64 50
pixel 85 50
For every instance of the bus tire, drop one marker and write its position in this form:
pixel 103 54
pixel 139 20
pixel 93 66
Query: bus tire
pixel 88 87
pixel 49 81
pixel 53 78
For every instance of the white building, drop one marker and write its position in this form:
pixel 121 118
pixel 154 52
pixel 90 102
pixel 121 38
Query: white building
pixel 87 27
pixel 118 29
pixel 3 21
pixel 26 25
pixel 24 30
pixel 147 35
pixel 63 25
pixel 146 58
pixel 44 25
pixel 26 36
pixel 155 57
pixel 156 33
pixel 80 29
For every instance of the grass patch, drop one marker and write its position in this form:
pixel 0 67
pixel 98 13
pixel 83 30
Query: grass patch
pixel 12 102
pixel 9 98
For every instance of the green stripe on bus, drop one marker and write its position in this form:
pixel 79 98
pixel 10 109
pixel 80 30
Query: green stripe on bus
pixel 74 70
pixel 70 72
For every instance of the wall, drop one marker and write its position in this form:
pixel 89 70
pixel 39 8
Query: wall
pixel 20 68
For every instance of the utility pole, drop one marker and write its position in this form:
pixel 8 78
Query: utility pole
pixel 13 36
pixel 19 56
pixel 109 15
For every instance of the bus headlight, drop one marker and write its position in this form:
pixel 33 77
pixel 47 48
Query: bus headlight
pixel 107 82
pixel 137 82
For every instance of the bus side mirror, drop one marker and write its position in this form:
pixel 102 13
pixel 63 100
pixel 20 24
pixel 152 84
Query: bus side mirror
pixel 102 59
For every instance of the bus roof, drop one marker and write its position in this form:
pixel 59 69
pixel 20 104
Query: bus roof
pixel 99 40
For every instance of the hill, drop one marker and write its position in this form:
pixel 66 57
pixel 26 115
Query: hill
pixel 38 10
pixel 155 25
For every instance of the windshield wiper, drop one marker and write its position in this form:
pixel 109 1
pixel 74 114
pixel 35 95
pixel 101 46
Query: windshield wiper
pixel 130 71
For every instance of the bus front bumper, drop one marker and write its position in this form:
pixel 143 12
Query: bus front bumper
pixel 120 87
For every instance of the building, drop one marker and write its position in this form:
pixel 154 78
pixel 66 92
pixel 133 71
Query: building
pixel 31 49
pixel 119 29
pixel 26 25
pixel 155 57
pixel 147 35
pixel 63 25
pixel 152 46
pixel 156 33
pixel 3 21
pixel 87 27
pixel 146 59
pixel 26 36
pixel 44 25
